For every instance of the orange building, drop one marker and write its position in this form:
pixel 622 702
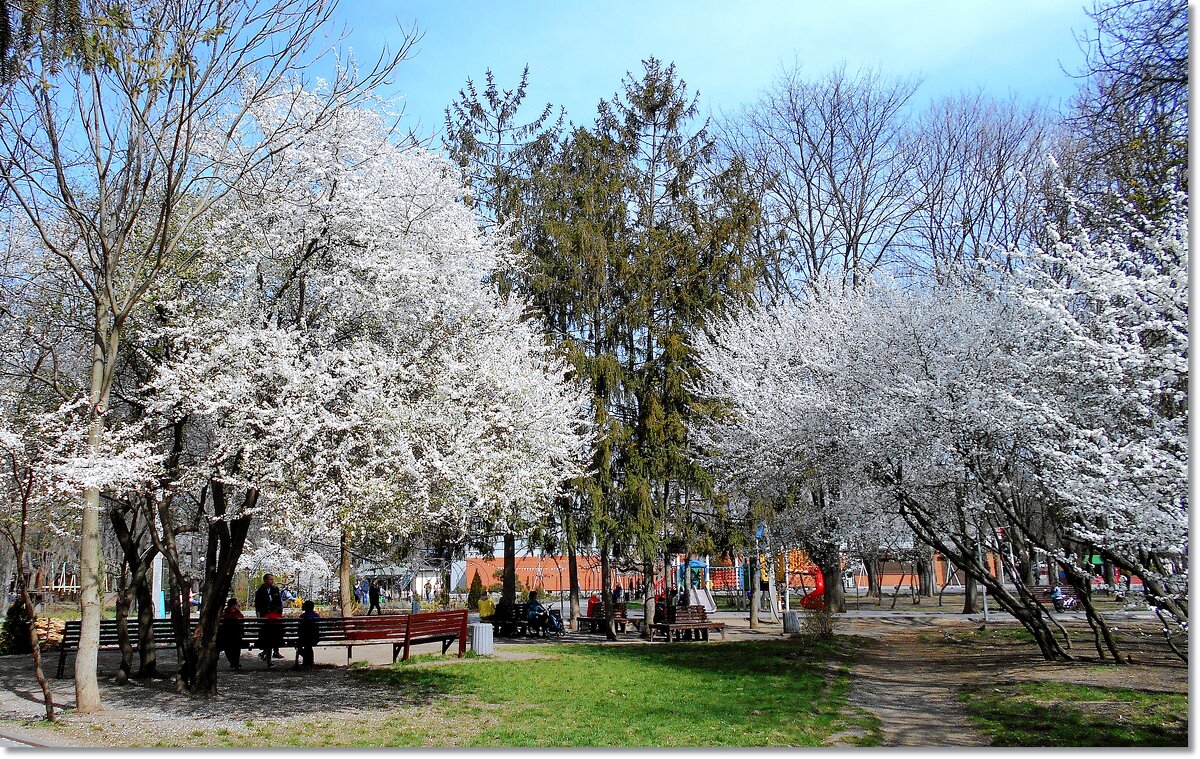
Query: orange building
pixel 547 572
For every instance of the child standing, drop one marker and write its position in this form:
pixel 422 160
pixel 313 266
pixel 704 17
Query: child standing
pixel 309 634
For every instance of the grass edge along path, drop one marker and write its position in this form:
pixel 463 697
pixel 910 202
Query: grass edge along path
pixel 1057 714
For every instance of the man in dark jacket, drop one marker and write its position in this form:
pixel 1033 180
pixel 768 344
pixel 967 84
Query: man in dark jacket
pixel 268 598
pixel 373 596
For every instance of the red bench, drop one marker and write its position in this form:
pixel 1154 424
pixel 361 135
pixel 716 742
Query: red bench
pixel 402 631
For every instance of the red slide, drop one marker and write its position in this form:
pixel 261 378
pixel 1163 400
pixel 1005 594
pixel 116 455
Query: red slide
pixel 815 599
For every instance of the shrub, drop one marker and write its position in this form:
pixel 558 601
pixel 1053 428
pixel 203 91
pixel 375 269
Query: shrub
pixel 817 623
pixel 475 593
pixel 14 638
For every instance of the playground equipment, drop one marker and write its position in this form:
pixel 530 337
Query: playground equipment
pixel 815 599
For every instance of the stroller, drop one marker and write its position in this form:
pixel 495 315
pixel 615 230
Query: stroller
pixel 547 623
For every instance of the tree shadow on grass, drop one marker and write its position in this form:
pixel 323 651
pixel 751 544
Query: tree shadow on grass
pixel 1017 718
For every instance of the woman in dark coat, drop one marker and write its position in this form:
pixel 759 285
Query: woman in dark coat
pixel 229 633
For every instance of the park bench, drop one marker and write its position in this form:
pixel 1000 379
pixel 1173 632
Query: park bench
pixel 512 620
pixel 595 623
pixel 402 631
pixel 1070 595
pixel 686 623
pixel 164 637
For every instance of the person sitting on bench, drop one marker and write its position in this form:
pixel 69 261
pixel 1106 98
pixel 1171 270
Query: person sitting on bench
pixel 1059 599
pixel 487 609
pixel 536 616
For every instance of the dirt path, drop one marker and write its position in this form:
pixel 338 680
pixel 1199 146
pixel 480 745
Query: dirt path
pixel 911 672
pixel 915 694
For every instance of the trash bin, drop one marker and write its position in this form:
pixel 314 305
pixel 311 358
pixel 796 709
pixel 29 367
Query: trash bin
pixel 481 638
pixel 791 621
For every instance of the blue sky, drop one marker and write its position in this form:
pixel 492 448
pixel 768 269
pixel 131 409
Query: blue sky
pixel 729 51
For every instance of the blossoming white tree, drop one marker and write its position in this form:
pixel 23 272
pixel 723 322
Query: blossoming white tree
pixel 116 155
pixel 1052 405
pixel 346 367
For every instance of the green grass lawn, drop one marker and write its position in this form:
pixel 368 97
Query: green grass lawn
pixel 769 693
pixel 1049 714
pixel 777 693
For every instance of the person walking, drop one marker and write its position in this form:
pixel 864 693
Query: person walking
pixel 428 591
pixel 229 634
pixel 268 599
pixel 373 594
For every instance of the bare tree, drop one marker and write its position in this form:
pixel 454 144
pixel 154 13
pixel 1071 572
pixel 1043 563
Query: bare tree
pixel 835 163
pixel 978 161
pixel 1131 116
pixel 115 163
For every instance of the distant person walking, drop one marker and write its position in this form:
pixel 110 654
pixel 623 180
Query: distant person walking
pixel 373 594
pixel 428 591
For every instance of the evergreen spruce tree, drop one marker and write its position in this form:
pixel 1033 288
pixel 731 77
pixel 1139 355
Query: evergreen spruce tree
pixel 640 234
pixel 475 592
pixel 496 153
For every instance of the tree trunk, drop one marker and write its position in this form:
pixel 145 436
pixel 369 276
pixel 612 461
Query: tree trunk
pixel 689 595
pixel 18 546
pixel 226 540
pixel 87 686
pixel 124 597
pixel 970 596
pixel 874 587
pixel 509 592
pixel 8 568
pixel 831 569
pixel 36 650
pixel 755 591
pixel 610 610
pixel 140 565
pixel 649 603
pixel 444 598
pixel 924 572
pixel 345 592
pixel 573 578
pixel 1027 610
pixel 147 656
